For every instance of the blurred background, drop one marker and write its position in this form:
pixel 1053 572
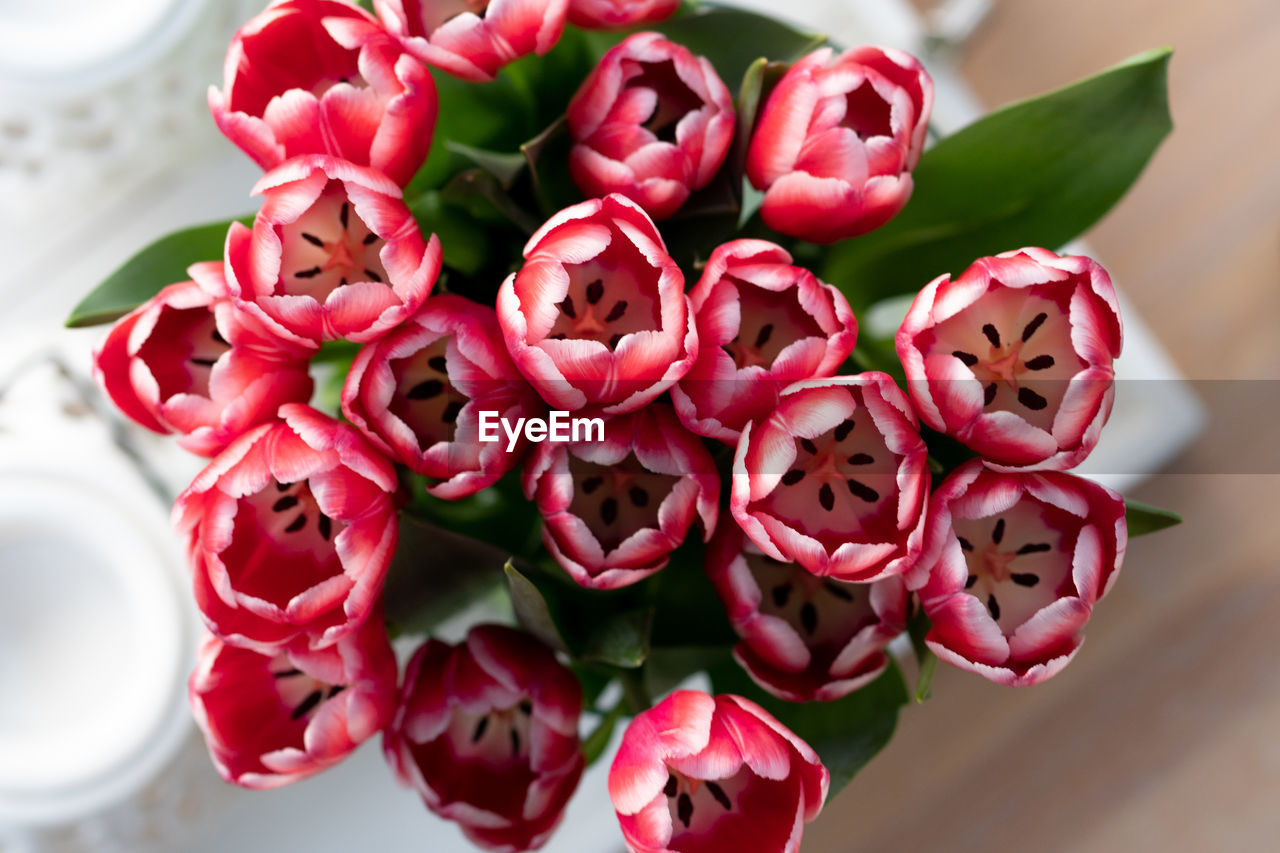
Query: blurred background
pixel 1160 735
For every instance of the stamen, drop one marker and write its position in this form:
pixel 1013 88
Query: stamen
pixel 203 362
pixel 792 477
pixel 438 364
pixel 313 239
pixel 809 446
pixel 970 581
pixel 297 524
pixel 843 430
pixel 307 705
pixel 325 524
pixel 968 358
pixel 1030 328
pixel 838 591
pixel 286 502
pixel 558 337
pixel 344 214
pixel 992 335
pixel 989 394
pixel 861 459
pixel 595 290
pixel 283 487
pixel 526 707
pixel 370 239
pixel 672 786
pixel 609 510
pixel 997 532
pixel 1040 362
pixel 566 305
pixel 639 497
pixel 826 497
pixel 515 742
pixel 1031 399
pixel 809 618
pixel 451 412
pixel 425 390
pixel 311 273
pixel 781 594
pixel 1024 578
pixel 993 607
pixel 218 338
pixel 336 689
pixel 1035 548
pixel 862 490
pixel 480 729
pixel 613 341
pixel 965 544
pixel 590 484
pixel 373 276
pixel 721 797
pixel 766 332
pixel 286 673
pixel 615 313
pixel 684 809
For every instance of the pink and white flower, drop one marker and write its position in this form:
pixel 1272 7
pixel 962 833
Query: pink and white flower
pixel 487 733
pixel 1014 357
pixel 763 323
pixel 333 253
pixel 836 479
pixel 187 362
pixel 615 510
pixel 597 316
pixel 418 392
pixel 652 121
pixel 289 532
pixel 473 39
pixel 347 89
pixel 1014 566
pixel 712 774
pixel 804 638
pixel 836 141
pixel 616 14
pixel 273 719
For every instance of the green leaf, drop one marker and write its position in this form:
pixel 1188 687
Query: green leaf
pixel 1037 173
pixel 531 609
pixel 595 744
pixel 504 167
pixel 917 628
pixel 846 733
pixel 162 263
pixel 621 640
pixel 734 38
pixel 464 241
pixel 1143 518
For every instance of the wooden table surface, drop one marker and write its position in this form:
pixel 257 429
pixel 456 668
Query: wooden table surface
pixel 1164 733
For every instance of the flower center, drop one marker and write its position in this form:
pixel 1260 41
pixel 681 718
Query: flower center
pixel 181 350
pixel 425 399
pixel 495 737
pixel 770 321
pixel 696 805
pixel 673 97
pixel 616 501
pixel 866 113
pixel 328 247
pixel 825 613
pixel 604 303
pixel 300 693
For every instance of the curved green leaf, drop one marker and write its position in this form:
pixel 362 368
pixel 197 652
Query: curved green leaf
pixel 1143 518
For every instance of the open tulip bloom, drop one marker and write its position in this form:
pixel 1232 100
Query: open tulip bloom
pixel 560 299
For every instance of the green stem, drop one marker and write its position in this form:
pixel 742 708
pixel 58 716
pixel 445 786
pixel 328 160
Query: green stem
pixel 635 689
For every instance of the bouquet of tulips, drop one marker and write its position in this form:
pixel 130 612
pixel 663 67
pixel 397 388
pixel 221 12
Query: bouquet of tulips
pixel 552 305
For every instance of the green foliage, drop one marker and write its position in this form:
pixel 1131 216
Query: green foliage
pixel 1143 518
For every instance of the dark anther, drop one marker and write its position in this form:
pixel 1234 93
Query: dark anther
pixel 1040 362
pixel 1025 578
pixel 343 282
pixel 684 809
pixel 344 214
pixel 438 364
pixel 968 358
pixel 566 305
pixel 838 591
pixel 297 524
pixel 526 707
pixel 992 335
pixel 286 502
pixel 515 742
pixel 311 273
pixel 861 459
pixel 613 341
pixel 370 238
pixel 672 786
pixel 283 487
pixel 373 276
pixel 781 594
pixel 594 291
pixel 312 239
pixel 862 490
pixel 992 607
pixel 559 336
pixel 842 431
pixel 325 525
pixel 590 484
pixel 989 394
pixel 286 673
pixel 809 446
pixel 792 477
pixel 307 705
pixel 336 689
pixel 809 618
pixel 965 543
pixel 451 411
pixel 480 729
pixel 609 510
pixel 766 331
pixel 997 532
pixel 1035 548
pixel 826 497
pixel 1031 327
pixel 1031 399
pixel 218 338
pixel 615 313
pixel 639 497
pixel 425 390
pixel 203 362
pixel 970 581
pixel 721 797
